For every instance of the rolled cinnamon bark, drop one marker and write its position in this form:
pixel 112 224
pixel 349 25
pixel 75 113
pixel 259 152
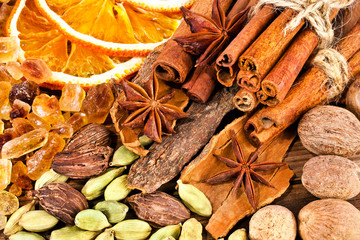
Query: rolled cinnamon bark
pixel 226 76
pixel 279 80
pixel 354 64
pixel 245 101
pixel 201 84
pixel 309 91
pixel 262 55
pixel 226 66
pixel 174 64
pixel 261 96
pixel 238 6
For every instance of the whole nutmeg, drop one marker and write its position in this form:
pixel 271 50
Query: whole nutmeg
pixel 329 219
pixel 62 201
pixel 331 176
pixel 273 222
pixel 330 130
pixel 352 99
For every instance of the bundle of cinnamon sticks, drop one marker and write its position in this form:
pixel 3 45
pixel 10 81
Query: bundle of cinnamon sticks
pixel 266 61
pixel 308 92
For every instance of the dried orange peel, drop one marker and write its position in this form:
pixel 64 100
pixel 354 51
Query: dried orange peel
pixel 69 62
pixel 169 6
pixel 118 19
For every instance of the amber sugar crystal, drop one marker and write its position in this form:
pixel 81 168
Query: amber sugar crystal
pixel 71 98
pixel 98 102
pixel 19 176
pixel 48 108
pixel 5 173
pixel 40 162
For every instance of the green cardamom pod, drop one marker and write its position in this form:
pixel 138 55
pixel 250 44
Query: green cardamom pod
pixel 145 140
pixel 162 233
pixel 72 233
pixel 194 199
pixel 118 189
pixel 49 177
pixel 108 234
pixel 91 220
pixel 114 211
pixel 38 221
pixel 191 230
pixel 93 188
pixel 133 229
pixel 123 157
pixel 239 234
pixel 22 235
pixel 12 226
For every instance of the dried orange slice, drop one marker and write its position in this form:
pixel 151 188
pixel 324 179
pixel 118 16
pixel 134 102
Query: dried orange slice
pixel 172 6
pixel 69 62
pixel 116 29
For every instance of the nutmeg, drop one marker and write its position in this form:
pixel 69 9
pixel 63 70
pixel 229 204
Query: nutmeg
pixel 330 130
pixel 272 222
pixel 329 219
pixel 62 201
pixel 331 176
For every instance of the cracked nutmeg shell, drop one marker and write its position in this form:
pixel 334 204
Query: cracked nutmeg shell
pixel 158 208
pixel 82 163
pixel 91 134
pixel 62 201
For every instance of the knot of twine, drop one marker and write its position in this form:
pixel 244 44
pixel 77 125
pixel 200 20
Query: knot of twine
pixel 317 14
pixel 334 65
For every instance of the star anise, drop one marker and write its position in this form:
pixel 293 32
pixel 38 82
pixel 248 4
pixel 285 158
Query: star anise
pixel 209 35
pixel 148 110
pixel 243 170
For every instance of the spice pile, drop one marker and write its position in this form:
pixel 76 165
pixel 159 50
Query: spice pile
pixel 73 161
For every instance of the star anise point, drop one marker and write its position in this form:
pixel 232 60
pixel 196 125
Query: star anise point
pixel 209 35
pixel 243 170
pixel 146 109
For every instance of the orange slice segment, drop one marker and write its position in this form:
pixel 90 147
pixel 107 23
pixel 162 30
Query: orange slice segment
pixel 116 29
pixel 69 62
pixel 169 6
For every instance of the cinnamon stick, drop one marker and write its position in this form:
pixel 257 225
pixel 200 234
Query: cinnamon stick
pixel 226 75
pixel 263 54
pixel 354 64
pixel 309 91
pixel 239 6
pixel 201 84
pixel 279 80
pixel 245 100
pixel 174 64
pixel 225 63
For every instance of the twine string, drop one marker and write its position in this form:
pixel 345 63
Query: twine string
pixel 317 14
pixel 334 65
